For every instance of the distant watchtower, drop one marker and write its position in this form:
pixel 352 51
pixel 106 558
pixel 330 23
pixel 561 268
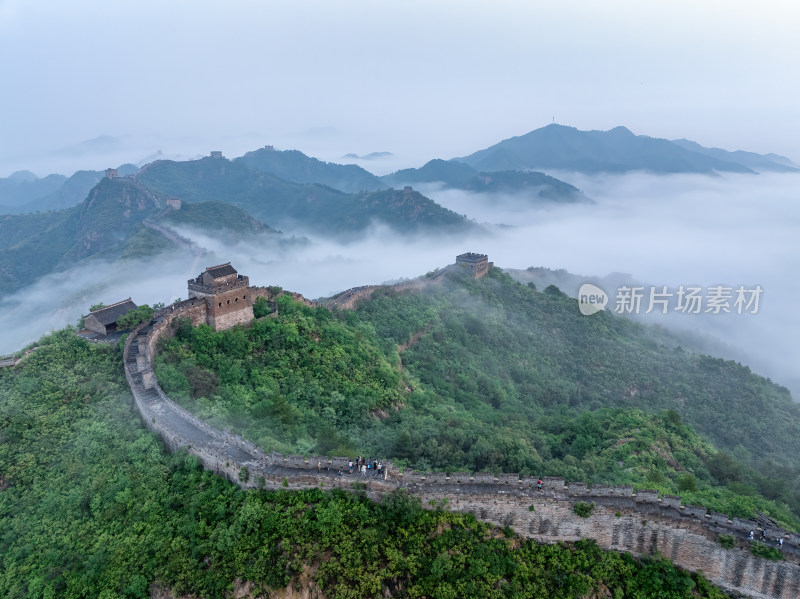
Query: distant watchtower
pixel 227 296
pixel 216 154
pixel 477 263
pixel 174 203
pixel 112 173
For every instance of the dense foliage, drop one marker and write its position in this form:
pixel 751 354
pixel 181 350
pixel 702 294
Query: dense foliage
pixel 528 362
pixel 134 317
pixel 90 506
pixel 300 382
pixel 496 377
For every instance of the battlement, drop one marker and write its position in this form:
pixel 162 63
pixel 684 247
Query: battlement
pixel 196 288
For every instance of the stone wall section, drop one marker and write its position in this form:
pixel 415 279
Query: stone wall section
pixel 642 523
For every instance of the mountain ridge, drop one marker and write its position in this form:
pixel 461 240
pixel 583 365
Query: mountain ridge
pixel 618 150
pixel 307 207
pixel 295 166
pixel 532 185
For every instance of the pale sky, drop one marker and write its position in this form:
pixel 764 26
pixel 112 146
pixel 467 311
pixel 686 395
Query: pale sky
pixel 420 79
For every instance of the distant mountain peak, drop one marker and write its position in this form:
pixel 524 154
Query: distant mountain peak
pixel 564 148
pixel 22 177
pixel 619 129
pixel 295 166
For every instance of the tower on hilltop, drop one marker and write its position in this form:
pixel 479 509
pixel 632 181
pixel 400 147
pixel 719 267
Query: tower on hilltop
pixel 477 263
pixel 227 294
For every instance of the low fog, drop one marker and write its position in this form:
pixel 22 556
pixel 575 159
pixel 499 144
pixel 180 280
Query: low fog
pixel 658 230
pixel 675 230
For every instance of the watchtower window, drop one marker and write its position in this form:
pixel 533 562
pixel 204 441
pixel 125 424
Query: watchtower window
pixel 220 304
pixel 228 302
pixel 236 299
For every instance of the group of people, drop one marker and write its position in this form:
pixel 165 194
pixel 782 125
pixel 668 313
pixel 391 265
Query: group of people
pixel 365 467
pixel 779 540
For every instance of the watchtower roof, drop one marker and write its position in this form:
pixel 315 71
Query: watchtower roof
pixel 221 270
pixel 110 314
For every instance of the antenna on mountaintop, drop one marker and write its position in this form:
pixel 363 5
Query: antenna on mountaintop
pixel 554 119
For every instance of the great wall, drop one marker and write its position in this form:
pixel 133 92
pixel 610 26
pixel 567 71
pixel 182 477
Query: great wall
pixel 640 522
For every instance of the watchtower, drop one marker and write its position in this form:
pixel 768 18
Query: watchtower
pixel 216 154
pixel 477 263
pixel 227 296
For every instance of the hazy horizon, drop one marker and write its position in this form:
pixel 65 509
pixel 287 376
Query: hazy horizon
pixel 419 80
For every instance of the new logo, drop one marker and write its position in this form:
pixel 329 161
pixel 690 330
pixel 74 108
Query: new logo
pixel 591 299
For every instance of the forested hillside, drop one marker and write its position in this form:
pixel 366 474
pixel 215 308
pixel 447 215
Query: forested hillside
pixel 492 375
pixel 303 207
pixel 452 174
pixel 37 244
pixel 91 506
pixel 293 165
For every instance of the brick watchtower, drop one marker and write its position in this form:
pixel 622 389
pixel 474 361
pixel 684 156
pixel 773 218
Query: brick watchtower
pixel 227 296
pixel 478 264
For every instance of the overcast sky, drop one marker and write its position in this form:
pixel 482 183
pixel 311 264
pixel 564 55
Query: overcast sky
pixel 420 79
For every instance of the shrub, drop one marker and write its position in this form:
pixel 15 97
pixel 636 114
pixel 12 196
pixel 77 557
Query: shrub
pixel 531 508
pixel 134 317
pixel 261 308
pixel 727 541
pixel 244 474
pixel 761 550
pixel 583 509
pixel 687 482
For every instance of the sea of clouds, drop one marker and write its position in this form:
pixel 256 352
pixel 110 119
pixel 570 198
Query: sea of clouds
pixel 691 230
